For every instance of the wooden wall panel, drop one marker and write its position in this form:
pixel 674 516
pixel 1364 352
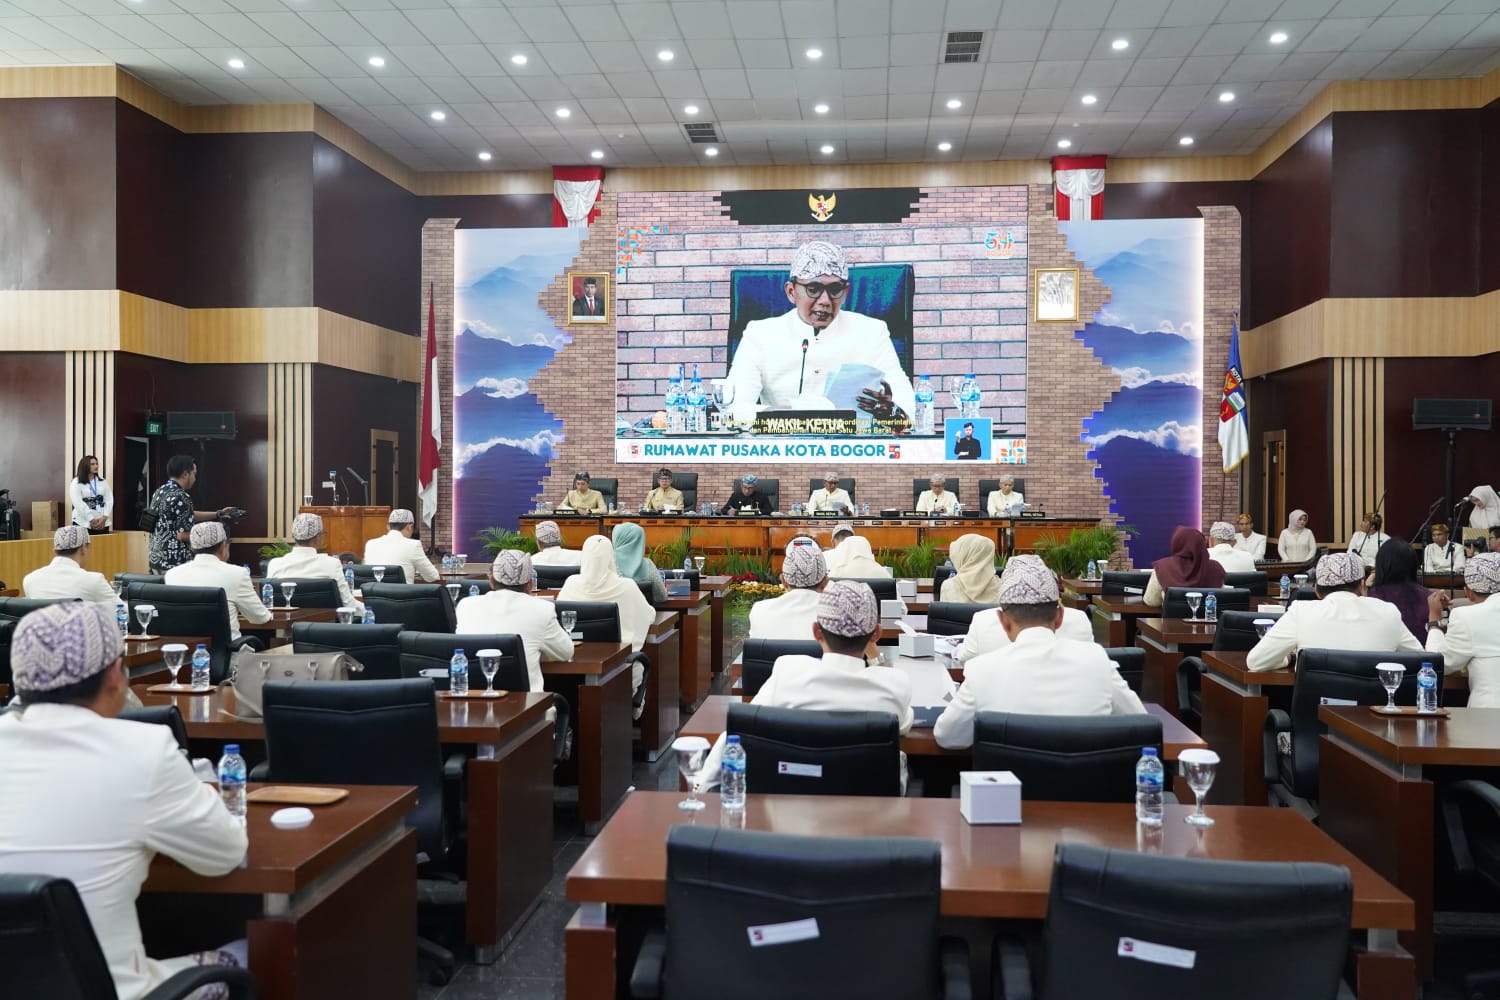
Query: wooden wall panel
pixel 289 468
pixel 119 552
pixel 152 162
pixel 1489 198
pixel 90 408
pixel 34 462
pixel 58 320
pixel 347 406
pixel 1288 229
pixel 1297 401
pixel 1357 439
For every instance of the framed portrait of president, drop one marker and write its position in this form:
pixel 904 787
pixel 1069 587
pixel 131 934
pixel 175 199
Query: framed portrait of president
pixel 589 294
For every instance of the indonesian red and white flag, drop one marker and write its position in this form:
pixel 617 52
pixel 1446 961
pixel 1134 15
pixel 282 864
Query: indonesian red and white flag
pixel 432 420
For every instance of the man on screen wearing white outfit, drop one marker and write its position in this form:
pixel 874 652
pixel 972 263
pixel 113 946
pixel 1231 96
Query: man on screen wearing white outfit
pixel 397 548
pixel 785 363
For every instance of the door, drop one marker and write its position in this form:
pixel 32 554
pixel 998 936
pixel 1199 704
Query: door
pixel 132 483
pixel 385 467
pixel 1273 473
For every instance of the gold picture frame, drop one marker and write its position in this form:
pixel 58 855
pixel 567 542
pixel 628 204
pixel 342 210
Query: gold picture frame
pixel 1055 295
pixel 578 311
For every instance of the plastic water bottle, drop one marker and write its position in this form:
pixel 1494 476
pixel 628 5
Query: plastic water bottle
pixel 232 780
pixel 1210 607
pixel 447 565
pixel 268 594
pixel 732 776
pixel 697 405
pixel 1286 588
pixel 473 590
pixel 1148 782
pixel 1093 570
pixel 458 672
pixel 349 576
pixel 201 679
pixel 122 618
pixel 369 618
pixel 1427 689
pixel 970 399
pixel 687 565
pixel 923 416
pixel 676 405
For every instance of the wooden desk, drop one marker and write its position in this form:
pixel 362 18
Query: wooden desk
pixel 338 911
pixel 1079 593
pixel 116 552
pixel 509 796
pixel 696 674
pixel 890 632
pixel 1377 800
pixel 721 649
pixel 991 872
pixel 144 657
pixel 282 621
pixel 1166 641
pixel 662 710
pixel 603 722
pixel 1115 616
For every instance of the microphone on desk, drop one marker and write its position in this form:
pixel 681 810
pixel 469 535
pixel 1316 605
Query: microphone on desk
pixel 801 374
pixel 361 480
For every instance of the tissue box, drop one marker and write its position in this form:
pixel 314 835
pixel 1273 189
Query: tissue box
pixel 989 797
pixel 915 644
pixel 892 609
pixel 678 588
pixel 906 589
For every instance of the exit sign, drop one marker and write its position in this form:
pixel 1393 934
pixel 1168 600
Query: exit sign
pixel 154 428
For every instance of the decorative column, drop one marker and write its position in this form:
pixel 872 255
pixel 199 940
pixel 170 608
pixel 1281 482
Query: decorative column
pixel 289 473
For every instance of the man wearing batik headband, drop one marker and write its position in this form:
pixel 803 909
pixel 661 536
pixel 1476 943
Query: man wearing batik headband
pixel 64 577
pixel 1041 672
pixel 91 798
pixel 510 609
pixel 306 561
pixel 1341 618
pixel 847 619
pixel 549 547
pixel 1222 551
pixel 788 362
pixel 210 568
pixel 1472 639
pixel 804 574
pixel 397 547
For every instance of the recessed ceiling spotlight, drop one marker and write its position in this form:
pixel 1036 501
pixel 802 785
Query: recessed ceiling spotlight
pixel 943 147
pixel 666 55
pixel 1186 140
pixel 1226 97
pixel 485 155
pixel 821 109
pixel 519 59
pixel 1090 99
pixel 1119 44
pixel 563 113
pixel 1064 143
pixel 691 109
pixel 954 104
pixel 711 151
pixel 438 116
pixel 815 53
pixel 376 61
pixel 597 154
pixel 1278 37
pixel 825 149
pixel 236 64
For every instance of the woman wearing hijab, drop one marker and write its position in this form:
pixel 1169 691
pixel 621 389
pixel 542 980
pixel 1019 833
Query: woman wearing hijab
pixel 1189 565
pixel 631 561
pixel 1486 512
pixel 1396 583
pixel 598 580
pixel 1296 543
pixel 973 580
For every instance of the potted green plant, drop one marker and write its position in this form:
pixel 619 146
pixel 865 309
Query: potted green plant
pixel 496 540
pixel 914 562
pixel 1070 558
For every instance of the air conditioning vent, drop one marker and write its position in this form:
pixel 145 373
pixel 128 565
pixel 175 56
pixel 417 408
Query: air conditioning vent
pixel 963 46
pixel 704 132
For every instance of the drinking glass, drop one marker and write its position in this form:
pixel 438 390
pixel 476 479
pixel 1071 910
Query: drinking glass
pixel 453 589
pixel 1300 580
pixel 698 562
pixel 346 616
pixel 690 752
pixel 175 654
pixel 1262 626
pixel 489 662
pixel 463 560
pixel 312 670
pixel 118 586
pixel 143 615
pixel 1199 767
pixel 287 589
pixel 378 572
pixel 1391 675
pixel 568 620
pixel 955 393
pixel 864 510
pixel 1194 599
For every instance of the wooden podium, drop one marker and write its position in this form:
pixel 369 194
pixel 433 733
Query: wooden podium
pixel 348 528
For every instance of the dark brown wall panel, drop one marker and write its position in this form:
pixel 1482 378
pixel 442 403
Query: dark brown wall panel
pixel 1296 401
pixel 1288 226
pixel 152 159
pixel 1489 226
pixel 1405 219
pixel 346 407
pixel 57 193
pixel 490 211
pixel 33 464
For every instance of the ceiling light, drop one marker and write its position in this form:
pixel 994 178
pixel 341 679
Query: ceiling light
pixel 711 151
pixel 691 109
pixel 1226 97
pixel 376 61
pixel 825 149
pixel 1186 140
pixel 821 109
pixel 1119 45
pixel 518 59
pixel 954 104
pixel 1090 99
pixel 236 64
pixel 563 113
pixel 438 116
pixel 1064 143
pixel 1278 37
pixel 815 53
pixel 943 147
pixel 597 154
pixel 485 155
pixel 665 55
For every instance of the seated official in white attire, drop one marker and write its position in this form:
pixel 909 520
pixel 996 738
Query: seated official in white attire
pixel 1341 618
pixel 1472 641
pixel 510 609
pixel 549 547
pixel 209 568
pixel 804 574
pixel 397 547
pixel 1222 551
pixel 306 561
pixel 937 499
pixel 65 577
pixel 1442 554
pixel 852 557
pixel 842 681
pixel 1040 672
pixel 987 632
pixel 91 798
pixel 831 497
pixel 1247 539
pixel 1366 542
pixel 1005 502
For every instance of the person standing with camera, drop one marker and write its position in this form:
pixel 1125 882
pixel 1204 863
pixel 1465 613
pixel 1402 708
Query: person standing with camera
pixel 171 515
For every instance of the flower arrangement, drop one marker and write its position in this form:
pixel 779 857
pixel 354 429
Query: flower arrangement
pixel 746 590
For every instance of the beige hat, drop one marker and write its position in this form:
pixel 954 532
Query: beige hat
pixel 70 537
pixel 1027 580
pixel 306 527
pixel 206 535
pixel 401 516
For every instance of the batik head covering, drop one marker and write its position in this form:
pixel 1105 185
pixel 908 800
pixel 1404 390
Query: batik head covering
pixel 206 535
pixel 817 258
pixel 70 537
pixel 748 479
pixel 400 516
pixel 848 608
pixel 548 534
pixel 1221 531
pixel 830 476
pixel 1027 580
pixel 62 644
pixel 1481 574
pixel 511 568
pixel 843 528
pixel 804 567
pixel 1338 569
pixel 936 479
pixel 306 527
pixel 802 542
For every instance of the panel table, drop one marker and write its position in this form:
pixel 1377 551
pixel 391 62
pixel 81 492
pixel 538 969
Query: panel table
pixel 696 674
pixel 1115 616
pixel 662 710
pixel 1166 641
pixel 603 722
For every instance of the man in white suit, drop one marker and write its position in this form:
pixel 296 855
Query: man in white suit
pixel 804 574
pixel 549 550
pixel 831 497
pixel 1040 672
pixel 938 499
pixel 65 576
pixel 1472 639
pixel 306 561
pixel 511 609
pixel 1341 618
pixel 397 548
pixel 987 632
pixel 208 568
pixel 1442 555
pixel 91 798
pixel 1222 551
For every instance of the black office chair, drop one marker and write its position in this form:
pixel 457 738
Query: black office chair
pixel 758 656
pixel 1174 603
pixel 857 891
pixel 418 607
pixel 1329 673
pixel 471 587
pixel 311 592
pixel 365 575
pixel 12 609
pixel 854 753
pixel 598 621
pixel 846 483
pixel 1236 633
pixel 1257 583
pixel 1124 583
pixel 1252 929
pixel 1066 758
pixel 952 617
pixel 1131 662
pixel 553 577
pixel 687 484
pixel 920 486
pixel 433 651
pixel 884 587
pixel 988 486
pixel 125 579
pixel 608 488
pixel 1471 820
pixel 374 646
pixel 191 611
pixel 49 949
pixel 160 715
pixel 940 575
pixel 7 630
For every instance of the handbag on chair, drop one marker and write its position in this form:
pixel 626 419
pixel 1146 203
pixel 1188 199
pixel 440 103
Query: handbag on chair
pixel 249 670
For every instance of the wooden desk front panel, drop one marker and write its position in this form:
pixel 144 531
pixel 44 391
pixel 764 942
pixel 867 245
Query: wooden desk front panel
pixel 117 552
pixel 348 528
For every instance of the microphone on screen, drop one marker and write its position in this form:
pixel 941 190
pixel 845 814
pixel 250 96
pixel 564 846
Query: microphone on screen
pixel 803 373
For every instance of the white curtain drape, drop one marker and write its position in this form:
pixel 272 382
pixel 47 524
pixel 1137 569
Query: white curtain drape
pixel 577 199
pixel 1080 187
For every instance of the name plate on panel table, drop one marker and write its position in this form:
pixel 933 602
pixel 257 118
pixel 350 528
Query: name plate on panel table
pixel 818 449
pixel 826 513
